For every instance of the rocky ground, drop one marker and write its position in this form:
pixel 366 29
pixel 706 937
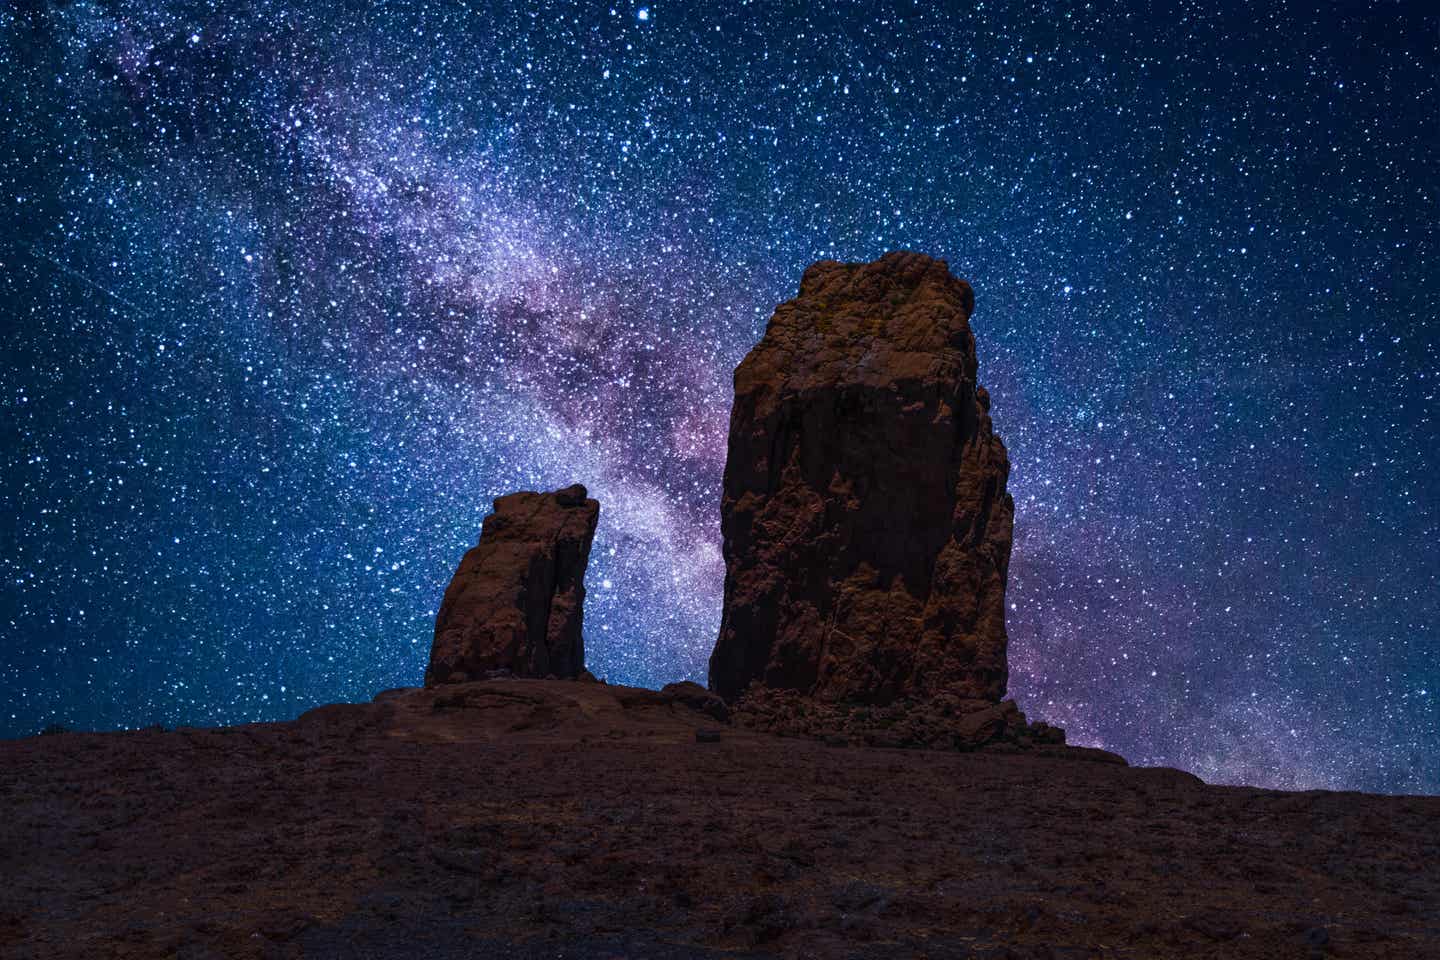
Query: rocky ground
pixel 943 721
pixel 537 819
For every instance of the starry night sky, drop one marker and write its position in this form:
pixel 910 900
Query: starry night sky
pixel 292 291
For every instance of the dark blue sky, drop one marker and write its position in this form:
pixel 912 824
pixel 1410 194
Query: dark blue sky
pixel 292 291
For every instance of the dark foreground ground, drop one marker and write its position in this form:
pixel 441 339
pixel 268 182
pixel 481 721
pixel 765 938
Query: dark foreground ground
pixel 530 819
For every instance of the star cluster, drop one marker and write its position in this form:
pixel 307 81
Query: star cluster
pixel 292 291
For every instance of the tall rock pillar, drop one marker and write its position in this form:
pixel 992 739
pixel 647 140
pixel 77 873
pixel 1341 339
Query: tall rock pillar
pixel 866 523
pixel 516 601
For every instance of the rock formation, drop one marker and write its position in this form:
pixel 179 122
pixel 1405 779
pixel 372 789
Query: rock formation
pixel 690 694
pixel 544 819
pixel 516 601
pixel 865 518
pixel 943 721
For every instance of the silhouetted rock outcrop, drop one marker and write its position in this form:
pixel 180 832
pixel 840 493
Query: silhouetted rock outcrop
pixel 515 603
pixel 865 518
pixel 690 694
pixel 943 721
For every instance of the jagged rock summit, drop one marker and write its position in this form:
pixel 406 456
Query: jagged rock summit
pixel 866 523
pixel 515 603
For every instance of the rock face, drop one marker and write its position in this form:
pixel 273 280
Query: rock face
pixel 516 601
pixel 865 518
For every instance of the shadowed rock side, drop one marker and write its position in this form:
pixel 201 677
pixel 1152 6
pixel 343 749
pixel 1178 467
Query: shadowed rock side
pixel 865 519
pixel 516 601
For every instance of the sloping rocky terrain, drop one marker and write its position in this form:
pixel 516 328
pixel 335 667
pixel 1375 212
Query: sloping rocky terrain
pixel 548 819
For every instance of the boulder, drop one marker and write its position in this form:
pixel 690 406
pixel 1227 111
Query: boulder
pixel 515 603
pixel 865 517
pixel 690 694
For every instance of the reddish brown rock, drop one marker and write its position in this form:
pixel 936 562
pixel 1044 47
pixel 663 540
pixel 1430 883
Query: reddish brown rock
pixel 516 601
pixel 690 694
pixel 538 819
pixel 940 722
pixel 865 518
